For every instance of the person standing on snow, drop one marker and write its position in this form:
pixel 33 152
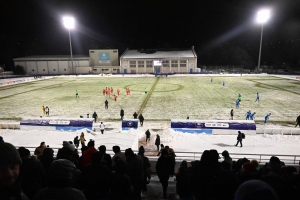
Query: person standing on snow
pixel 47 110
pixel 43 109
pixel 157 141
pixel 141 118
pixel 102 127
pixel 135 115
pixel 231 114
pixel 248 115
pixel 106 104
pixel 76 94
pixel 239 138
pixel 82 139
pixel 252 116
pixel 95 116
pixel 147 133
pixel 122 113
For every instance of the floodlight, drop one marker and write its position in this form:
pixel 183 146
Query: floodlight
pixel 69 22
pixel 263 16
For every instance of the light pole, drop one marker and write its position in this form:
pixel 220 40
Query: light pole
pixel 69 23
pixel 261 17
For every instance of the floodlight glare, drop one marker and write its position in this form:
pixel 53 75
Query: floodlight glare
pixel 263 16
pixel 69 22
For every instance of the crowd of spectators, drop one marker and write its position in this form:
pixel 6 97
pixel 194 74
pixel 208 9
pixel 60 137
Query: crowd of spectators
pixel 97 175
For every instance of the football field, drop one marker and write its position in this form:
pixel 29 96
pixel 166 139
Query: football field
pixel 172 97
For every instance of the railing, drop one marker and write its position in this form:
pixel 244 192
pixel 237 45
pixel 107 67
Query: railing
pixel 191 156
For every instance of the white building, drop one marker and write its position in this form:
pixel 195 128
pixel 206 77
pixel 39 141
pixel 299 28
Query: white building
pixel 157 61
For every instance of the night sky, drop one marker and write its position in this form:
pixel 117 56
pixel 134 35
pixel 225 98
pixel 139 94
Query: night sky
pixel 213 27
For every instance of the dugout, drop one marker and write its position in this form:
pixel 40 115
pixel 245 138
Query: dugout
pixel 158 61
pixel 215 127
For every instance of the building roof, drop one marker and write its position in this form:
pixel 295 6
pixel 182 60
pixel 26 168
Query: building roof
pixel 52 57
pixel 157 54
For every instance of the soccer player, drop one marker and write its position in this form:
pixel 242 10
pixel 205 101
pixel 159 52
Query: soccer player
pixel 248 115
pixel 223 84
pixel 211 80
pixel 252 116
pixel 237 103
pixel 267 117
pixel 77 94
pixel 257 97
pixel 118 91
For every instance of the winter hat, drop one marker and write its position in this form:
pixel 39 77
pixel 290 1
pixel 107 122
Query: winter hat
pixel 23 152
pixel 66 144
pixel 9 155
pixel 91 143
pixel 255 189
pixel 129 152
pixel 141 149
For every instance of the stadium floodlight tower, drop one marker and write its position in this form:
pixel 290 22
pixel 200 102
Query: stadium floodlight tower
pixel 262 17
pixel 69 23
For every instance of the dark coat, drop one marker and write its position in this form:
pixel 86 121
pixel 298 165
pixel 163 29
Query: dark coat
pixel 13 192
pixel 240 136
pixel 31 173
pixel 96 181
pixel 76 141
pixel 135 115
pixel 122 113
pixel 148 134
pixel 120 186
pixel 157 140
pixel 135 169
pixel 141 118
pixel 164 167
pixel 95 115
pixel 183 183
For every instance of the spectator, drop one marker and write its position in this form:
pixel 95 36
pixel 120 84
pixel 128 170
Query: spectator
pixel 122 113
pixel 106 157
pixel 1 139
pixel 65 152
pixel 39 150
pixel 172 155
pixel 61 173
pixel 31 173
pixel 10 183
pixel 135 115
pixel 120 182
pixel 183 182
pixel 96 178
pixel 146 168
pixel 164 168
pixel 87 154
pixel 135 172
pixel 118 153
pixel 255 189
pixel 226 156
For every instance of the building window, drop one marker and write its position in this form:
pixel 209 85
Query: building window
pixel 132 62
pixel 115 51
pixel 149 63
pixel 44 70
pixel 94 69
pixel 32 70
pixel 165 63
pixel 141 63
pixel 174 63
pixel 132 66
pixel 91 51
pixel 182 63
pixel 65 70
pixel 54 69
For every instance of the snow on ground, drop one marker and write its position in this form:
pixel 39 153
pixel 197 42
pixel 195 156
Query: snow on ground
pixel 180 142
pixel 172 97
